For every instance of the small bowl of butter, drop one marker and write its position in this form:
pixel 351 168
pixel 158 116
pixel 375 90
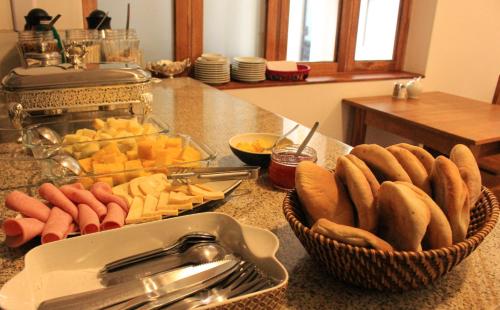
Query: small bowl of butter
pixel 255 148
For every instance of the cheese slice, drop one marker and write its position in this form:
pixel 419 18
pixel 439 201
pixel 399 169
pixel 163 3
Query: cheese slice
pixel 134 189
pixel 145 219
pixel 135 211
pixel 150 204
pixel 207 195
pixel 179 198
pixel 179 206
pixel 168 212
pixel 180 188
pixel 163 200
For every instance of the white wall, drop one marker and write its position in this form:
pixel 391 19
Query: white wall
pixel 464 55
pixel 152 19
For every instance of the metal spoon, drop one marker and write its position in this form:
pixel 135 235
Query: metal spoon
pixel 50 135
pixel 68 162
pixel 281 138
pixel 182 244
pixel 307 139
pixel 197 254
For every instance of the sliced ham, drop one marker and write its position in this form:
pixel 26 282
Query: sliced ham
pixel 77 185
pixel 27 206
pixel 57 198
pixel 115 218
pixel 87 219
pixel 19 231
pixel 58 225
pixel 84 196
pixel 104 193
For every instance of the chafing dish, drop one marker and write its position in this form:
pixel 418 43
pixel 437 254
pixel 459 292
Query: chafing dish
pixel 69 88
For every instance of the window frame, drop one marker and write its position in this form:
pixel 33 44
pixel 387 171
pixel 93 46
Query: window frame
pixel 277 30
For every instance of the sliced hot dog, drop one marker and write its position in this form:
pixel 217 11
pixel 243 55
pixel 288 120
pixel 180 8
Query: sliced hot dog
pixel 27 206
pixel 57 198
pixel 58 225
pixel 19 231
pixel 103 192
pixel 86 197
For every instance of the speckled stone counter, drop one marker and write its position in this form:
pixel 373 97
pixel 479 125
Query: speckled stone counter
pixel 212 117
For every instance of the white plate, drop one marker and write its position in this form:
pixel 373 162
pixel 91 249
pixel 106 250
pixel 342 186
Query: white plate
pixel 250 59
pixel 71 265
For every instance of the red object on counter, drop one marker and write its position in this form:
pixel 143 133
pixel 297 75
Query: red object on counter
pixel 301 74
pixel 283 165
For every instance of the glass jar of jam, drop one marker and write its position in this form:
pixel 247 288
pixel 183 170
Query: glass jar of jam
pixel 283 164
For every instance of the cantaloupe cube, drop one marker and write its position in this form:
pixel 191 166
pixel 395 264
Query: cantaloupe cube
pixel 190 154
pixel 86 164
pixel 148 163
pixel 86 132
pixel 149 128
pixel 100 168
pixel 132 154
pixel 145 149
pixel 174 152
pixel 99 124
pixel 133 165
pixel 106 179
pixel 174 142
pixel 163 158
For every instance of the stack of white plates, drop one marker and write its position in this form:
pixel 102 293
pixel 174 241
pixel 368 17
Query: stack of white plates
pixel 212 69
pixel 248 69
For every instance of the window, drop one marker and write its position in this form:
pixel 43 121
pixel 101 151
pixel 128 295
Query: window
pixel 338 36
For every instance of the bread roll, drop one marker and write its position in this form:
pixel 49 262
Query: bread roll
pixel 322 195
pixel 370 177
pixel 425 157
pixel 462 156
pixel 350 235
pixel 438 232
pixel 381 162
pixel 403 217
pixel 413 167
pixel 451 195
pixel 360 193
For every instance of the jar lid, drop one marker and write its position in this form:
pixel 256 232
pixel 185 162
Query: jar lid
pixel 66 76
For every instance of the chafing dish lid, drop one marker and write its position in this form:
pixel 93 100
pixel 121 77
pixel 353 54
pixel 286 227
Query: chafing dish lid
pixel 65 76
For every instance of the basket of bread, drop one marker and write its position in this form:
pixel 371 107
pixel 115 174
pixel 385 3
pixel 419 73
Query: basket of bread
pixel 392 218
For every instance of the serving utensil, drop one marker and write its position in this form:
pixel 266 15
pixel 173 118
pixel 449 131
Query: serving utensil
pixel 307 139
pixel 49 135
pixel 197 254
pixel 182 244
pixel 281 138
pixel 213 174
pixel 68 162
pixel 161 297
pixel 169 282
pixel 245 281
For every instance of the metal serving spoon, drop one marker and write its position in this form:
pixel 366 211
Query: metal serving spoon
pixel 49 135
pixel 68 162
pixel 197 254
pixel 283 136
pixel 182 244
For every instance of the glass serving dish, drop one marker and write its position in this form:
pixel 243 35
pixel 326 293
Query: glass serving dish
pixel 158 152
pixel 83 137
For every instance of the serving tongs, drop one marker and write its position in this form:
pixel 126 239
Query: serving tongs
pixel 184 175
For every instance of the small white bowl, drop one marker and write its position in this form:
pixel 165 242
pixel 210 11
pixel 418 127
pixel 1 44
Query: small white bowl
pixel 255 158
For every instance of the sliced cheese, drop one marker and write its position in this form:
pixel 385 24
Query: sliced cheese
pixel 168 212
pixel 135 211
pixel 179 206
pixel 179 198
pixel 163 200
pixel 207 195
pixel 122 191
pixel 181 188
pixel 134 189
pixel 145 219
pixel 150 204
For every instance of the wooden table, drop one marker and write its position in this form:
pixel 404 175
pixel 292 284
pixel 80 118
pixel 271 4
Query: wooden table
pixel 437 120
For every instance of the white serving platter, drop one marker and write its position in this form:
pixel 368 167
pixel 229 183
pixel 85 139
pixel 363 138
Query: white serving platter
pixel 71 265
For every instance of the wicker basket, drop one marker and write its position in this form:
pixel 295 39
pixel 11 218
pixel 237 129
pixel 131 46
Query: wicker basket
pixel 393 271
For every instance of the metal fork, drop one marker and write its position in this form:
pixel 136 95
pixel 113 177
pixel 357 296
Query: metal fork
pixel 246 280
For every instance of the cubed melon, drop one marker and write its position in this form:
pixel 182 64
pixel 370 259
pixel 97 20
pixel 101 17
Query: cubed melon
pixel 86 164
pixel 106 179
pixel 145 149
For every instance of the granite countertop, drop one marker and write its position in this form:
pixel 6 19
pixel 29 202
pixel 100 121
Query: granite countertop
pixel 212 117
